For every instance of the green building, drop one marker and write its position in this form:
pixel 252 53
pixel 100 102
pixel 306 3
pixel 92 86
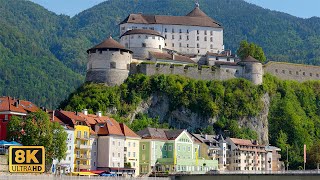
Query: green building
pixel 163 150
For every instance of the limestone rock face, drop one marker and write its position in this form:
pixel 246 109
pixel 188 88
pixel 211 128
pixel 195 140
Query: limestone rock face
pixel 183 118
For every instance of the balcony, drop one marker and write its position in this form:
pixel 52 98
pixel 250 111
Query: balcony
pixel 82 166
pixel 82 146
pixel 86 138
pixel 83 157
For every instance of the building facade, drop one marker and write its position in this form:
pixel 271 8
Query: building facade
pixel 13 107
pixel 171 151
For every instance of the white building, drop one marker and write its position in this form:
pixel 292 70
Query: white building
pixel 66 165
pixel 195 33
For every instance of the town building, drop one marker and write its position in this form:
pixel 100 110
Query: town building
pixel 82 144
pixel 118 148
pixel 64 166
pixel 13 107
pixel 171 151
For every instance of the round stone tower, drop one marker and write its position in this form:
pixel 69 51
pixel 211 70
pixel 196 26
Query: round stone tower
pixel 142 41
pixel 108 62
pixel 252 70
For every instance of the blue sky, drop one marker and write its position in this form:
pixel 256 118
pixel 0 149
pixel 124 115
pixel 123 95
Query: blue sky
pixel 300 8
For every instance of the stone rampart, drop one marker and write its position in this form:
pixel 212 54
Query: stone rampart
pixel 195 72
pixel 290 71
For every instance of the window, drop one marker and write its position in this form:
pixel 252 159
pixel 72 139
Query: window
pixel 165 44
pixel 198 45
pixel 283 71
pixel 180 37
pixel 172 36
pixel 187 45
pixel 143 147
pixel 126 45
pixel 188 31
pixel 165 147
pixel 165 29
pixel 139 36
pixel 187 37
pixel 134 144
pixel 113 154
pixel 129 144
pixel 79 134
pixel 197 31
pixel 165 36
pixel 276 70
pixel 211 46
pixel 310 74
pixel 118 154
pixel 153 37
pixel 205 32
pixel 180 31
pixel 211 33
pixel 211 39
pixel 113 66
pixel 304 73
pixel 146 37
pixel 129 154
pixel 134 154
pixel 180 44
pixel 172 44
pixel 205 38
pixel 172 30
pixel 178 148
pixel 197 38
pixel 189 149
pixel 198 51
pixel 159 46
pixel 119 143
pixel 170 148
pixel 144 45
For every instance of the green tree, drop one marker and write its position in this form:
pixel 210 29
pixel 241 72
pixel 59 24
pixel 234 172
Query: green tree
pixel 14 129
pixel 38 130
pixel 313 155
pixel 250 49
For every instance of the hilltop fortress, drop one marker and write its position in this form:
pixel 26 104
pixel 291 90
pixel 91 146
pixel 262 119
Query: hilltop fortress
pixel 190 46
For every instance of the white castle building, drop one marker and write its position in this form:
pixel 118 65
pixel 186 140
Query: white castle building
pixel 180 42
pixel 195 33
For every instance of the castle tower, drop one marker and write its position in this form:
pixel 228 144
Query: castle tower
pixel 142 41
pixel 108 62
pixel 252 70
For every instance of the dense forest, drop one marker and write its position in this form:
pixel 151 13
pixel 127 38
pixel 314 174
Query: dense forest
pixel 42 55
pixel 294 118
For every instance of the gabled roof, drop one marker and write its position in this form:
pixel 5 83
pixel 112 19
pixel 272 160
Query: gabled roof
pixel 142 31
pixel 16 105
pixel 109 43
pixel 160 134
pixel 244 142
pixel 111 127
pixel 166 56
pixel 127 131
pixel 195 18
pixel 196 12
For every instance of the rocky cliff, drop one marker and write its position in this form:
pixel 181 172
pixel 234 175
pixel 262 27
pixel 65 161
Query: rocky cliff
pixel 157 105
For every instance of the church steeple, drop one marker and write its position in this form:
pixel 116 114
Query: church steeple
pixel 197 4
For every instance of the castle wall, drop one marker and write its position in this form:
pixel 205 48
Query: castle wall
pixel 207 73
pixel 185 41
pixel 141 44
pixel 290 71
pixel 110 67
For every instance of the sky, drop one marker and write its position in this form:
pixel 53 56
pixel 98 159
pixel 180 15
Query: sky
pixel 299 8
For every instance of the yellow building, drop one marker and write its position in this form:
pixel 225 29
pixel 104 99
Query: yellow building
pixel 82 150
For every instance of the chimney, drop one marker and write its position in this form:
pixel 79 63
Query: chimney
pixel 99 113
pixel 85 112
pixel 18 101
pixel 206 136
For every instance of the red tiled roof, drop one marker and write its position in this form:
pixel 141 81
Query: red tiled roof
pixel 142 31
pixel 111 127
pixel 15 105
pixel 127 131
pixel 108 44
pixel 241 142
pixel 195 18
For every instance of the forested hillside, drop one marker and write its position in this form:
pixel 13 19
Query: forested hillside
pixel 42 55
